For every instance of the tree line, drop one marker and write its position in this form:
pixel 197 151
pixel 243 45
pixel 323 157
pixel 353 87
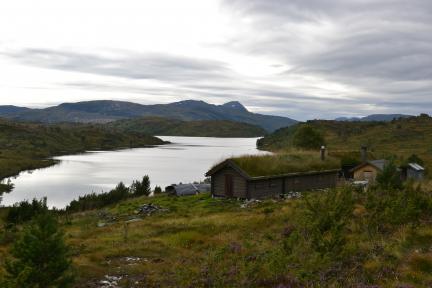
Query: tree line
pixel 120 192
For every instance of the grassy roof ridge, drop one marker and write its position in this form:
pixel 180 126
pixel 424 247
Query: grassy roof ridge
pixel 284 163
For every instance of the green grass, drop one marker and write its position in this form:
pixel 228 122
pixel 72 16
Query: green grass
pixel 205 242
pixel 283 163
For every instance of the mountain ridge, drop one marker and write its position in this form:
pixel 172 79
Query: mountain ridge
pixel 103 111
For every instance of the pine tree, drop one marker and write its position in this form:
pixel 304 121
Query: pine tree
pixel 41 257
pixel 120 192
pixel 389 178
pixel 146 185
pixel 157 190
pixel 141 188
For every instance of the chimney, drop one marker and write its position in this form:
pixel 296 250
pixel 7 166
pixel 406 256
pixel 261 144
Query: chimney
pixel 323 152
pixel 364 154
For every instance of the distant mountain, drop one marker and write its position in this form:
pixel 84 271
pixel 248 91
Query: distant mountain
pixel 10 110
pixel 173 127
pixel 375 117
pixel 106 111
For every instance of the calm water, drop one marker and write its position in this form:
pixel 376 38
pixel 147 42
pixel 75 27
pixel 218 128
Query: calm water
pixel 185 160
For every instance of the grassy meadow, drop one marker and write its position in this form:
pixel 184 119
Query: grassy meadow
pixel 203 242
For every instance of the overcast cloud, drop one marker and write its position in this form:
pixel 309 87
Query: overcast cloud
pixel 300 58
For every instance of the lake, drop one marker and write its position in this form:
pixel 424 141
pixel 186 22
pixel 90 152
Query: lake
pixel 186 160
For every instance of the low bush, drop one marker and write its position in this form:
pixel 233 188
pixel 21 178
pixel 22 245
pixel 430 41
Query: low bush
pixel 25 211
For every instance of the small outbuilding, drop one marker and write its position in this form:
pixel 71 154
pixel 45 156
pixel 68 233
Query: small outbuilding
pixel 368 171
pixel 228 179
pixel 412 171
pixel 187 189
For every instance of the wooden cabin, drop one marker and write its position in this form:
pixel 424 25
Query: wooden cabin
pixel 412 171
pixel 368 171
pixel 230 180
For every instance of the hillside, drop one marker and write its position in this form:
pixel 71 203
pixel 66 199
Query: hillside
pixel 106 111
pixel 200 241
pixel 173 127
pixel 28 146
pixel 401 137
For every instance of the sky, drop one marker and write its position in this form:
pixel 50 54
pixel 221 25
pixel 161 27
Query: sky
pixel 303 59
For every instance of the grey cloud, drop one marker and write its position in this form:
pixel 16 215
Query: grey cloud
pixel 383 48
pixel 133 66
pixel 380 49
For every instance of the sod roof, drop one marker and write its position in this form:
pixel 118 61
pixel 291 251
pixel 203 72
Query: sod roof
pixel 280 164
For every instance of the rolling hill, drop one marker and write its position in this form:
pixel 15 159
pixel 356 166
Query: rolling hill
pixel 106 111
pixel 173 127
pixel 26 146
pixel 400 138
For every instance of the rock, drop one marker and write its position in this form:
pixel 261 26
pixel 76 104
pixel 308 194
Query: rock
pixel 133 220
pixel 149 209
pixel 110 282
pixel 250 203
pixel 291 195
pixel 106 216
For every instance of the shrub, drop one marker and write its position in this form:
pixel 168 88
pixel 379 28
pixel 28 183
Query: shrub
pixel 25 211
pixel 94 201
pixel 389 178
pixel 415 159
pixel 326 218
pixel 157 190
pixel 307 137
pixel 41 257
pixel 390 207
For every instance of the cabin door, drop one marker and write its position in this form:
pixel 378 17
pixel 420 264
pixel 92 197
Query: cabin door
pixel 229 185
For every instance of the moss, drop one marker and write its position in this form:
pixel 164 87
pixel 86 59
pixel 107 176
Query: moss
pixel 284 163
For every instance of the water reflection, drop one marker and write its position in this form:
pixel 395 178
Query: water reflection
pixel 185 160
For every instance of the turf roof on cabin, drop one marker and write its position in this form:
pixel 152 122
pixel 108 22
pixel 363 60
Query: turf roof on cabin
pixel 279 164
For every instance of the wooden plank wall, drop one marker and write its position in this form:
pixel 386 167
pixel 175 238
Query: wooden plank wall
pixel 218 183
pixel 268 188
